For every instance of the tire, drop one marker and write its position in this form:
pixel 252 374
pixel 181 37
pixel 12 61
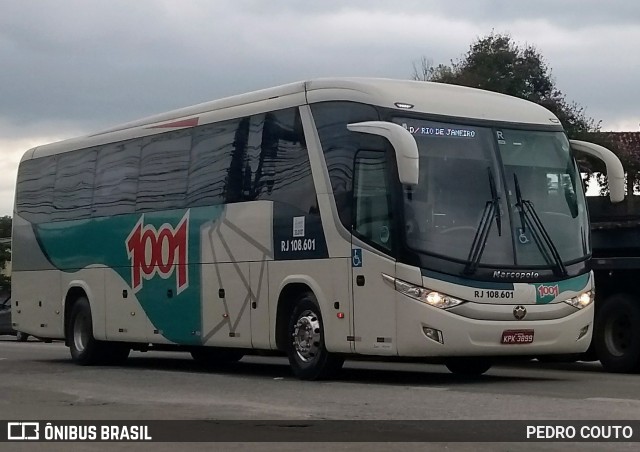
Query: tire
pixel 213 356
pixel 617 334
pixel 85 349
pixel 22 337
pixel 306 350
pixel 468 367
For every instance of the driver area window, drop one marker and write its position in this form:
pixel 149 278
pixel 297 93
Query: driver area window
pixel 371 200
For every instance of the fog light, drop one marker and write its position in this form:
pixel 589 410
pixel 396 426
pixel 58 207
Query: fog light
pixel 433 334
pixel 584 330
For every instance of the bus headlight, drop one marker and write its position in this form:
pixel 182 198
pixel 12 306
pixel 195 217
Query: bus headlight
pixel 427 296
pixel 583 300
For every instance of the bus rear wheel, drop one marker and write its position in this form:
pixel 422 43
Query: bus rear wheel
pixel 468 367
pixel 308 356
pixel 85 349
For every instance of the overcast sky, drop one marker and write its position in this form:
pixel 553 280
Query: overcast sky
pixel 70 67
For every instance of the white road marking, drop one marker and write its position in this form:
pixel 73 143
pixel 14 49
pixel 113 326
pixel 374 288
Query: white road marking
pixel 610 399
pixel 430 388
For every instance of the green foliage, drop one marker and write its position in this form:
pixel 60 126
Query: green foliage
pixel 496 63
pixel 5 255
pixel 5 283
pixel 5 226
pixel 626 145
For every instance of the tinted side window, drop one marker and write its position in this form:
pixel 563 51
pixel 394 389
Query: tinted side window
pixel 164 166
pixel 74 185
pixel 212 166
pixel 36 179
pixel 117 178
pixel 339 146
pixel 281 171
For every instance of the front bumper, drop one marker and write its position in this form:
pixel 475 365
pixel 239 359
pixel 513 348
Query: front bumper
pixel 462 336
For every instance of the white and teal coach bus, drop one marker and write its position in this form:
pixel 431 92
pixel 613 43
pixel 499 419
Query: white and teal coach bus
pixel 321 219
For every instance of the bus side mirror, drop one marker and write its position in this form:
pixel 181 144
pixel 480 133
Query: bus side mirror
pixel 615 171
pixel 403 143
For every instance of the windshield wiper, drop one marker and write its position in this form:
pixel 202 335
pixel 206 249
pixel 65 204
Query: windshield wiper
pixel 529 216
pixel 491 209
pixel 496 202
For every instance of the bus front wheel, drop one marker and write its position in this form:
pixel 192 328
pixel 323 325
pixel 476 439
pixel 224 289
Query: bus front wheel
pixel 308 356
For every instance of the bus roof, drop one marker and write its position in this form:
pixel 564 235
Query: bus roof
pixel 424 97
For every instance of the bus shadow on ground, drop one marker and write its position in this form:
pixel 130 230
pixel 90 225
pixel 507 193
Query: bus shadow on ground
pixel 387 373
pixel 578 366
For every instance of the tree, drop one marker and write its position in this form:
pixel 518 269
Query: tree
pixel 496 63
pixel 5 227
pixel 626 146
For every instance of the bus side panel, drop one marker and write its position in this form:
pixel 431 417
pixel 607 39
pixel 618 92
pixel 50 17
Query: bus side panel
pixel 260 320
pixel 226 302
pixel 328 279
pixel 37 303
pixel 125 319
pixel 234 303
pixel 374 307
pixel 36 295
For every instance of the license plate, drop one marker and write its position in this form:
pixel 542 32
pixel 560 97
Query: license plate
pixel 517 337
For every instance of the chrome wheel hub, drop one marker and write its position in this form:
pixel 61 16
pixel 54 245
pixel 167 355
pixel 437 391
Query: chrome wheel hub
pixel 306 336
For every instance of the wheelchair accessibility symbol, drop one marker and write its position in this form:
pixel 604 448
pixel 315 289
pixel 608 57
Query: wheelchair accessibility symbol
pixel 522 237
pixel 356 257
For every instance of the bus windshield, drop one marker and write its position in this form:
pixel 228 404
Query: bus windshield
pixel 464 168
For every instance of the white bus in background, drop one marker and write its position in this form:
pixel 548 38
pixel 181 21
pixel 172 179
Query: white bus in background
pixel 321 219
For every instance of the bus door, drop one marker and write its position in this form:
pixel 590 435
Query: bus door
pixel 373 299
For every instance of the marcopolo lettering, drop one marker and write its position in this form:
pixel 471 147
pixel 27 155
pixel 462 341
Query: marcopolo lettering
pixel 515 275
pixel 159 252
